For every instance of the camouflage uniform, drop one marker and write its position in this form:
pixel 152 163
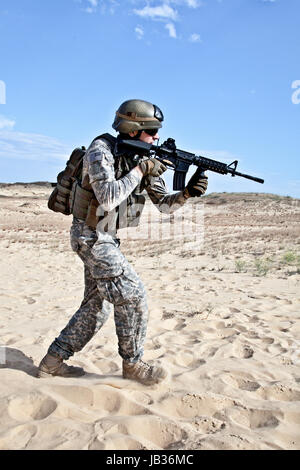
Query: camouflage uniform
pixel 109 278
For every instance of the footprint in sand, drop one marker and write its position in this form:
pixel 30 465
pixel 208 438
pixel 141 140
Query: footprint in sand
pixel 255 418
pixel 34 406
pixel 243 351
pixel 116 441
pixel 246 382
pixel 279 392
pixel 18 437
pixel 103 400
pixel 193 405
pixel 158 431
pixel 207 425
pixel 254 319
pixel 187 358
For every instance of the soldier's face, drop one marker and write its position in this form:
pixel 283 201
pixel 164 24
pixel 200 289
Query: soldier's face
pixel 149 139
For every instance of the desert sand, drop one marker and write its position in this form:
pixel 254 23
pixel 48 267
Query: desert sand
pixel 224 319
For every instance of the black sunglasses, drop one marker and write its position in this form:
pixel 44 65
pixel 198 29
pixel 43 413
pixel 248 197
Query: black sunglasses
pixel 151 132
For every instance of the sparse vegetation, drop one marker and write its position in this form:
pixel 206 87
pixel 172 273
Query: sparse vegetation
pixel 262 266
pixel 290 258
pixel 209 308
pixel 240 266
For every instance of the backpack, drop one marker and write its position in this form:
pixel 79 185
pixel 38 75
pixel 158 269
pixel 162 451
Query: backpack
pixel 68 195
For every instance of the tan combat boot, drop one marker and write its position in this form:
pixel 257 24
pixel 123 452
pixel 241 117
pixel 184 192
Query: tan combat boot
pixel 143 372
pixel 54 366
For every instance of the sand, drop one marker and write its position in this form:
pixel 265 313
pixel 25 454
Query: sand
pixel 224 320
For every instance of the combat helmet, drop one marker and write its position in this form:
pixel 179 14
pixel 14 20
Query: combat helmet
pixel 136 115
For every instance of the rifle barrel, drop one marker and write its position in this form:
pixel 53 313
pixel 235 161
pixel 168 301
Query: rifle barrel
pixel 254 178
pixel 186 158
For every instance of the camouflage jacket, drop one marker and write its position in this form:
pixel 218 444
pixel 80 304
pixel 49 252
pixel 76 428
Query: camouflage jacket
pixel 117 185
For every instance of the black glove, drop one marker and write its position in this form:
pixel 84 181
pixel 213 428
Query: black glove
pixel 197 185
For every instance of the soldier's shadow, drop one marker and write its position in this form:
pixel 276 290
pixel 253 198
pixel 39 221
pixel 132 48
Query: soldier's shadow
pixel 15 359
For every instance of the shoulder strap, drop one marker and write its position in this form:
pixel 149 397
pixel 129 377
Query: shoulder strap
pixel 110 138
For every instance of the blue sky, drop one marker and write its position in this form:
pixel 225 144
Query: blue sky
pixel 226 74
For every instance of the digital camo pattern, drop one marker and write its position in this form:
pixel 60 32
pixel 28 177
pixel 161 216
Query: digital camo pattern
pixel 99 173
pixel 109 278
pixel 165 202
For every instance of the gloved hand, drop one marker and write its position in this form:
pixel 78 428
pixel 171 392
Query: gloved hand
pixel 152 167
pixel 197 185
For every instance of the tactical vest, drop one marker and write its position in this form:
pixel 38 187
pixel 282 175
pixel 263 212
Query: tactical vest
pixel 69 197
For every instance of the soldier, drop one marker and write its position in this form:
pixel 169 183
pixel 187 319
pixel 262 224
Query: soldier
pixel 116 179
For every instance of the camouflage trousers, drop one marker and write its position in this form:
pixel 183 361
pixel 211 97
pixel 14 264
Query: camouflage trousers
pixel 109 279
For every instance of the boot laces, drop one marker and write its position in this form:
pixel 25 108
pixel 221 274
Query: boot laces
pixel 146 366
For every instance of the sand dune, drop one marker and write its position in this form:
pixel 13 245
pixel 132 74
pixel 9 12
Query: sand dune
pixel 224 320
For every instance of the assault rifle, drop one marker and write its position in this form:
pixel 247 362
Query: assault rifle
pixel 180 160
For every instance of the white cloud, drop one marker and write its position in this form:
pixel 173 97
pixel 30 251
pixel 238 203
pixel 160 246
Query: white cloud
pixel 6 123
pixel 2 92
pixel 139 32
pixel 193 3
pixel 188 3
pixel 168 14
pixel 296 94
pixel 163 11
pixel 27 146
pixel 195 38
pixel 93 6
pixel 172 31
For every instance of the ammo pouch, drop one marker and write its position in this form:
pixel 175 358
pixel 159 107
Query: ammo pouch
pixel 68 197
pixel 68 194
pixel 130 211
pixel 59 200
pixel 83 205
